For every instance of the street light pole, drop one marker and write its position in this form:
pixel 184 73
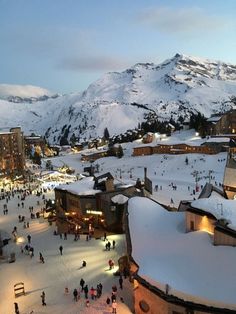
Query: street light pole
pixel 210 172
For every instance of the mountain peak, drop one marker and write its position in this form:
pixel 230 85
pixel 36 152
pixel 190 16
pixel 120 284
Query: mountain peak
pixel 119 101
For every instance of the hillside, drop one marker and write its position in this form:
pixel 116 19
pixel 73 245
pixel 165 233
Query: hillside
pixel 120 100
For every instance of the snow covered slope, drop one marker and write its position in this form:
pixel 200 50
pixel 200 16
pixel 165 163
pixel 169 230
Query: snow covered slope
pixel 120 100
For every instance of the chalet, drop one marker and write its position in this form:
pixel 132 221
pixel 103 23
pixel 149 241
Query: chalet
pixel 32 142
pixel 92 156
pixel 166 268
pixel 148 138
pixel 77 147
pixel 175 149
pixel 88 203
pixel 229 182
pixel 222 123
pixel 213 213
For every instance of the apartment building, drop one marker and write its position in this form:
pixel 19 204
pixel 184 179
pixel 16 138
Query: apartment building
pixel 12 156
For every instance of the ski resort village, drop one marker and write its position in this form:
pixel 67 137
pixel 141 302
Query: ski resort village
pixel 145 225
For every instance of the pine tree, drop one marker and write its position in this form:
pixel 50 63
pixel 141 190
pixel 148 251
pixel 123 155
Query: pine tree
pixel 120 152
pixel 106 134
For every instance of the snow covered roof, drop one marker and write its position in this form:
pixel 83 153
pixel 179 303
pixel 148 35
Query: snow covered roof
pixel 6 132
pixel 119 199
pixel 219 207
pixel 188 262
pixel 81 187
pixel 214 119
pixel 33 137
pixel 218 140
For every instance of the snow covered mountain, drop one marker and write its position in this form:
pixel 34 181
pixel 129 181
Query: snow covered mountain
pixel 120 100
pixel 24 93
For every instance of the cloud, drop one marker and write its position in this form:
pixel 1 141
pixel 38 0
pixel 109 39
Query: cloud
pixel 182 21
pixel 92 63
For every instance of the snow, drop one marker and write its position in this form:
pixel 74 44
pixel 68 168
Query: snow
pixel 188 262
pixel 218 207
pixel 119 199
pixel 24 91
pixel 217 140
pixel 174 88
pixel 82 187
pixel 214 119
pixel 164 170
pixel 58 271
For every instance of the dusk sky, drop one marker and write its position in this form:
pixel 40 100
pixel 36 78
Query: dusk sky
pixel 64 45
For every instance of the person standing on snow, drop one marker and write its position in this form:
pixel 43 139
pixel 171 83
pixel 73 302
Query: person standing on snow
pixel 43 298
pixel 29 238
pixel 114 306
pixel 82 282
pixel 61 249
pixel 75 294
pixel 16 308
pixel 86 291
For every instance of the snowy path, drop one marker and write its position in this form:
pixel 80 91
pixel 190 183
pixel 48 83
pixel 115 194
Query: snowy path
pixel 58 271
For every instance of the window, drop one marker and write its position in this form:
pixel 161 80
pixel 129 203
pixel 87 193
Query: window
pixel 144 306
pixel 113 208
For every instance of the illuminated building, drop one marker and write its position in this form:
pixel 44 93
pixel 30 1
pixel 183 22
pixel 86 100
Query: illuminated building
pixel 12 157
